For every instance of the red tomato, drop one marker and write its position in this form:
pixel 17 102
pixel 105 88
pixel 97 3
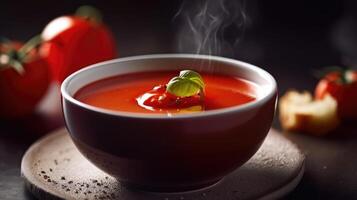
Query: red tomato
pixel 74 42
pixel 343 89
pixel 20 93
pixel 159 98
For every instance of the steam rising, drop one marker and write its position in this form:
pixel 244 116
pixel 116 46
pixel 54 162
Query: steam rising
pixel 211 27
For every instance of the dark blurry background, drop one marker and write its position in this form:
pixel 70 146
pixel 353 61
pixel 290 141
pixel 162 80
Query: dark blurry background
pixel 288 38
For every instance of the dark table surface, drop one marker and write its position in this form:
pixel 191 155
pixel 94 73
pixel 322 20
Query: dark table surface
pixel 289 52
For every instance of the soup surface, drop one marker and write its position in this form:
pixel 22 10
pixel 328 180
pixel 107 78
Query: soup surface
pixel 121 93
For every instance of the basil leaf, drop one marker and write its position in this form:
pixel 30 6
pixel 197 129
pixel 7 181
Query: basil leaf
pixel 193 76
pixel 188 83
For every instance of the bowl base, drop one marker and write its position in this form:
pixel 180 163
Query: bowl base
pixel 54 169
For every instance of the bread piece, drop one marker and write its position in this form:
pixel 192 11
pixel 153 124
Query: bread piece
pixel 299 112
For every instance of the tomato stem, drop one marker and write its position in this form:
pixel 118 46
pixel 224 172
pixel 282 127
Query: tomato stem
pixel 7 61
pixel 341 70
pixel 90 13
pixel 28 46
pixel 344 77
pixel 14 58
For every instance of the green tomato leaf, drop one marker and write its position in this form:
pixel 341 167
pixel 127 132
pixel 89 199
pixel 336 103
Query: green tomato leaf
pixel 6 62
pixel 28 46
pixel 188 83
pixel 89 12
pixel 17 66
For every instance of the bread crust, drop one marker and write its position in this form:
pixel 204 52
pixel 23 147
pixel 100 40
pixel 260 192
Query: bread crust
pixel 299 112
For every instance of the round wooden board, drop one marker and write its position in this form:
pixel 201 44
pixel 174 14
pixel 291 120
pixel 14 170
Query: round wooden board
pixel 54 169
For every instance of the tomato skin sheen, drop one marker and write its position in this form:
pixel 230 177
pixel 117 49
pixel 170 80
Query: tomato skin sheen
pixel 73 42
pixel 158 97
pixel 344 93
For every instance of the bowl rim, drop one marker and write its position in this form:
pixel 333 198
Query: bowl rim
pixel 238 108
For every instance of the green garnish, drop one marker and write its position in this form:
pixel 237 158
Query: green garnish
pixel 187 84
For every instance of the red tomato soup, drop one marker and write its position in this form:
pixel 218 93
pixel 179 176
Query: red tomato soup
pixel 121 93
